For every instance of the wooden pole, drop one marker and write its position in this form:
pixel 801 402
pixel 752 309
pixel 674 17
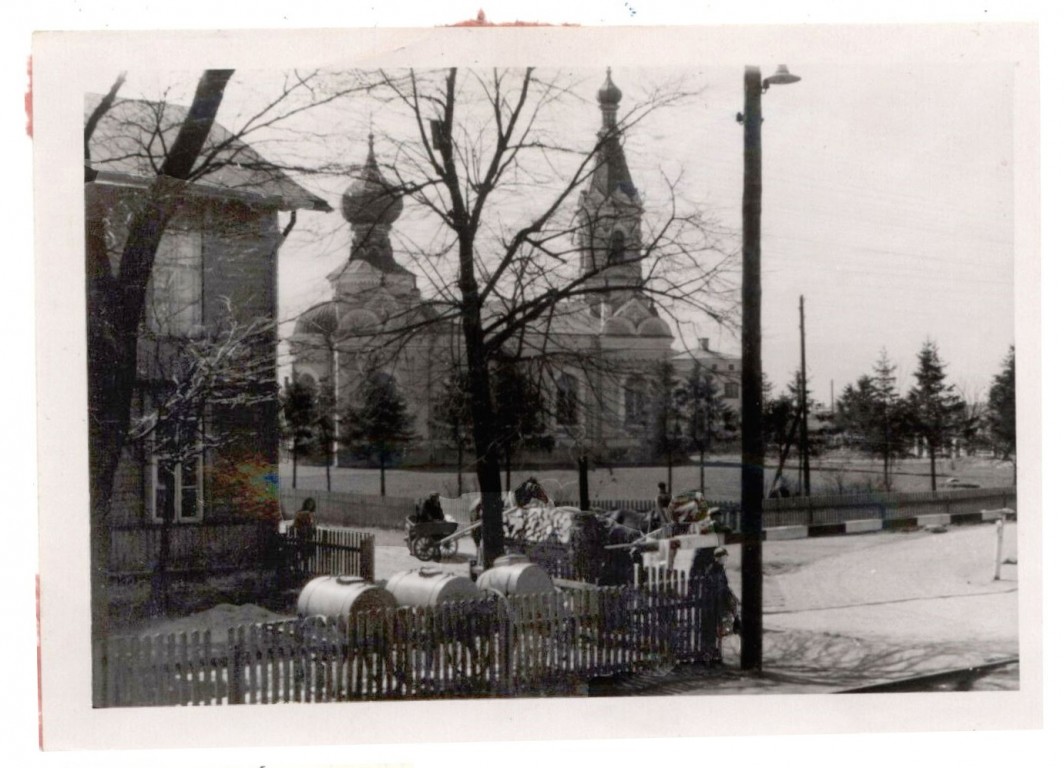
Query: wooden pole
pixel 753 450
pixel 804 436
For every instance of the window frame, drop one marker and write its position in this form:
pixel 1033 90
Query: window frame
pixel 628 417
pixel 156 464
pixel 572 395
pixel 174 310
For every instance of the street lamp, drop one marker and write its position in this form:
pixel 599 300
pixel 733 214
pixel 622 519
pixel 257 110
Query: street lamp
pixel 753 449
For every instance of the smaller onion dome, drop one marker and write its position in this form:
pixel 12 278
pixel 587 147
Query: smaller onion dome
pixel 619 326
pixel 656 327
pixel 609 95
pixel 360 320
pixel 319 319
pixel 370 199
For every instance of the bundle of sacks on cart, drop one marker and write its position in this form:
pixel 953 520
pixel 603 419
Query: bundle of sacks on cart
pixel 539 523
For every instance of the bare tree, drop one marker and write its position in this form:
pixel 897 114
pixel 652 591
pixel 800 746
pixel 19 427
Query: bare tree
pixel 115 304
pixel 170 151
pixel 478 155
pixel 230 367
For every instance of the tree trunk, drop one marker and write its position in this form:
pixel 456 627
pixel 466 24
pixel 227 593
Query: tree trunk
pixel 295 464
pixel 160 585
pixel 886 459
pixel 702 470
pixel 328 464
pixel 382 474
pixel 461 458
pixel 931 453
pixel 585 495
pixel 115 306
pixel 484 438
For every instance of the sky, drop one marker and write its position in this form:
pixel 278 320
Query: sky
pixel 887 202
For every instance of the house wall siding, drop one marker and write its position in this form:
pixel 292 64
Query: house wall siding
pixel 239 280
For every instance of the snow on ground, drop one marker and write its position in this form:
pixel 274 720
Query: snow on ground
pixel 839 611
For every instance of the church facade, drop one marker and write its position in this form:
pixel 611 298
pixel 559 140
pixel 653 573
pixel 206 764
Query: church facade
pixel 606 348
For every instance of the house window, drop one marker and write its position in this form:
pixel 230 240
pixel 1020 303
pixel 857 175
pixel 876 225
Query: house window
pixel 175 295
pixel 635 401
pixel 177 489
pixel 565 400
pixel 731 390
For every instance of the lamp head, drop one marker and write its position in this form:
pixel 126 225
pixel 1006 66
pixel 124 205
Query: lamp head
pixel 782 76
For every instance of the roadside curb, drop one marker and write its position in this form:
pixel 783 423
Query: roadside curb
pixel 874 525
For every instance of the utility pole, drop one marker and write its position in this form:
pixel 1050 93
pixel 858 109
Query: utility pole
pixel 804 404
pixel 753 448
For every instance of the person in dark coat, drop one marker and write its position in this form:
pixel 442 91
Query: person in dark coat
pixel 431 510
pixel 527 491
pixel 716 523
pixel 476 512
pixel 660 514
pixel 719 614
pixel 304 527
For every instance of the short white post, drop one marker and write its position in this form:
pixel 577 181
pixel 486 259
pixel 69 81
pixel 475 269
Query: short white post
pixel 1000 525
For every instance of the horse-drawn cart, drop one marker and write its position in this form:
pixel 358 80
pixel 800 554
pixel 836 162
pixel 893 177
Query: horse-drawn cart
pixel 431 540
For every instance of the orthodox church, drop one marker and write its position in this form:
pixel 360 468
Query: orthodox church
pixel 613 338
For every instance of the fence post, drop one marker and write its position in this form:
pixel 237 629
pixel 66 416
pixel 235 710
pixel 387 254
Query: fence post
pixel 236 672
pixel 506 661
pixel 1000 525
pixel 367 567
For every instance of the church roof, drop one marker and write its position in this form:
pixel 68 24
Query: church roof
pixel 127 146
pixel 611 175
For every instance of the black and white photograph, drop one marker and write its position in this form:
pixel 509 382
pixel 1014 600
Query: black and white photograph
pixel 425 376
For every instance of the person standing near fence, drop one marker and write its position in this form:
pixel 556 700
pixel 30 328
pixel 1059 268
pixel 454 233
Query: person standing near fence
pixel 720 614
pixel 304 527
pixel 716 522
pixel 660 513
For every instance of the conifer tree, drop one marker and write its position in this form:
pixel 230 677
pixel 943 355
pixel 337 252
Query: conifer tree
pixel 378 426
pixel 934 406
pixel 1002 409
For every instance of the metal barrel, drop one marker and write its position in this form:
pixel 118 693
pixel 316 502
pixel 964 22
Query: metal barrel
pixel 426 587
pixel 515 575
pixel 341 597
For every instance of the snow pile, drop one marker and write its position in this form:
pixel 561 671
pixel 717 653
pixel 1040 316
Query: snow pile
pixel 218 619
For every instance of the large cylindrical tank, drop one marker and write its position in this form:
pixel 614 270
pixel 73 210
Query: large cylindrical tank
pixel 341 597
pixel 515 575
pixel 426 587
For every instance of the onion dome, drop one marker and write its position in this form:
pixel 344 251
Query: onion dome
pixel 360 320
pixel 320 319
pixel 655 327
pixel 619 326
pixel 609 95
pixel 370 199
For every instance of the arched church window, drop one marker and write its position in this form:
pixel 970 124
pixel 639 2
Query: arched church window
pixel 616 250
pixel 565 407
pixel 635 401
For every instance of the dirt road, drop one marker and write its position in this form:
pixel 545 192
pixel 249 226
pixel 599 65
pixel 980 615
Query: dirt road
pixel 852 610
